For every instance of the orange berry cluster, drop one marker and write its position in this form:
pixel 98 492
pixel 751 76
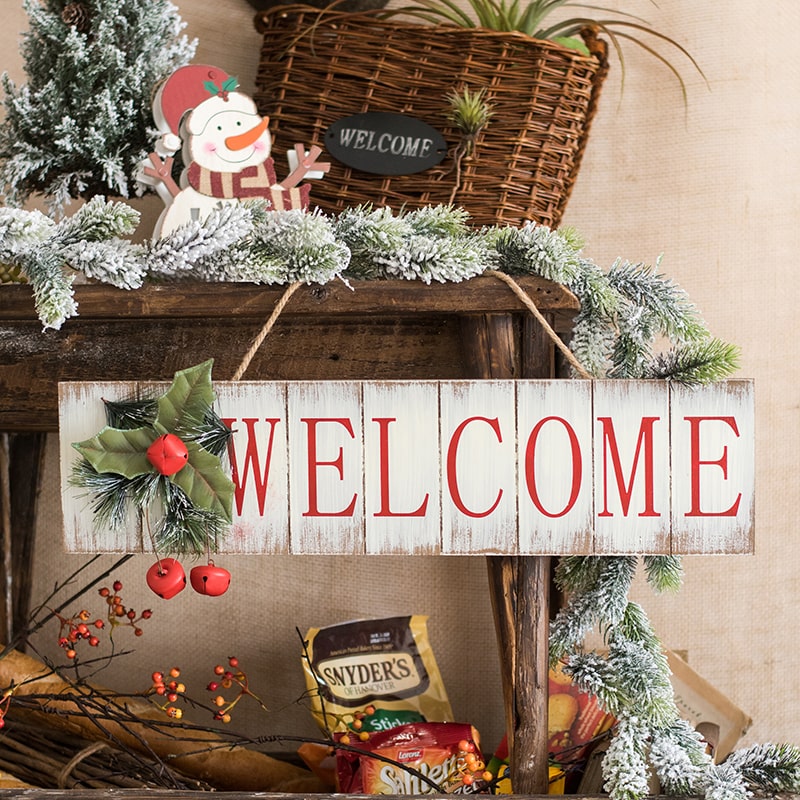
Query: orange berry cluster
pixel 227 678
pixel 356 725
pixel 170 690
pixel 469 764
pixel 118 614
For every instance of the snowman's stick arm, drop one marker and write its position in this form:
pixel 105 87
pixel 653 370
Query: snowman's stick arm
pixel 162 171
pixel 305 163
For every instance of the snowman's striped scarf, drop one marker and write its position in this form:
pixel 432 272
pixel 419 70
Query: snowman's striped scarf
pixel 256 181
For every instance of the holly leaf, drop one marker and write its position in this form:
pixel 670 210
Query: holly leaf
pixel 211 87
pixel 123 452
pixel 230 84
pixel 205 482
pixel 184 405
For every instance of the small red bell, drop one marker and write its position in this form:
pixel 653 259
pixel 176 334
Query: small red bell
pixel 166 578
pixel 210 579
pixel 168 454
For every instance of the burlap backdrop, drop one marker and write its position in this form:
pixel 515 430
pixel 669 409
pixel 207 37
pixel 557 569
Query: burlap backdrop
pixel 715 191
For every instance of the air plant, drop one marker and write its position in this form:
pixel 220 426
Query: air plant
pixel 532 18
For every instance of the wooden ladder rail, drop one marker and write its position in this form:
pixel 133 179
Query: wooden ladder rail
pixel 500 346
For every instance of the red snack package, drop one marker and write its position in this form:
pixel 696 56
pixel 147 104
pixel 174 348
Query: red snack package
pixel 447 753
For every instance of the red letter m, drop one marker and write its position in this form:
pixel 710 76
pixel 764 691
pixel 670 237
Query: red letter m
pixel 626 490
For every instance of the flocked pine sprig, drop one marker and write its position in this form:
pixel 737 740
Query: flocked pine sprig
pixel 49 253
pixel 696 363
pixel 769 767
pixel 538 250
pixel 119 264
pixel 664 572
pixel 294 245
pixel 197 248
pixel 597 593
pixel 438 247
pixel 653 306
pixel 98 220
pixel 723 782
pixel 625 771
pixel 53 296
pixel 22 231
pixel 679 758
pixel 366 231
pixel 594 328
pixel 427 244
pixel 672 312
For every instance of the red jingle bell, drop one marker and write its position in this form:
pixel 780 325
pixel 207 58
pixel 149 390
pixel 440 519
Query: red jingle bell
pixel 166 578
pixel 168 454
pixel 210 579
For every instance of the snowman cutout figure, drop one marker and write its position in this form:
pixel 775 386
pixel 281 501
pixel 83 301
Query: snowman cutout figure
pixel 226 149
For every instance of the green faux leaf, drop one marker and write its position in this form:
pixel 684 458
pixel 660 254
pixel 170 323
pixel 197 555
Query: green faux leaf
pixel 119 451
pixel 186 402
pixel 205 482
pixel 211 87
pixel 230 84
pixel 573 43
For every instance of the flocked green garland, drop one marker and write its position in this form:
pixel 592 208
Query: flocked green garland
pixel 624 312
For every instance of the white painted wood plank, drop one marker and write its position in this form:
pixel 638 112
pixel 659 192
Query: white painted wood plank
pixel 631 467
pixel 326 476
pixel 259 465
pixel 474 443
pixel 402 469
pixel 713 468
pixel 479 455
pixel 81 416
pixel 554 423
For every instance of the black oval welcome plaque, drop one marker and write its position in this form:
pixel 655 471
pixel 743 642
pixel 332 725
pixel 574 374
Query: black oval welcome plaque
pixel 385 143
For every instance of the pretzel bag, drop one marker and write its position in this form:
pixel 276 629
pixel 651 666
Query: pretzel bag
pixel 379 671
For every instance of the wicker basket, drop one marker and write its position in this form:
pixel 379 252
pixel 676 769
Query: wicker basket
pixel 318 67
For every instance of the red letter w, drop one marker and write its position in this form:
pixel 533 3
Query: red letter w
pixel 251 460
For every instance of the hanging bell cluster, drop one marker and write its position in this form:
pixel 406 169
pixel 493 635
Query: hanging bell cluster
pixel 167 578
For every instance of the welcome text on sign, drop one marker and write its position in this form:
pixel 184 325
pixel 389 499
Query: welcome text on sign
pixel 499 466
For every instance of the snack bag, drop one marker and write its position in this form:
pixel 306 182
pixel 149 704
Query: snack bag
pixel 376 673
pixel 575 719
pixel 446 753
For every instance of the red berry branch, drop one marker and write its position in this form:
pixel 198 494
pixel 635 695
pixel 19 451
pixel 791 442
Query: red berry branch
pixel 118 614
pixel 225 678
pixel 170 690
pixel 82 628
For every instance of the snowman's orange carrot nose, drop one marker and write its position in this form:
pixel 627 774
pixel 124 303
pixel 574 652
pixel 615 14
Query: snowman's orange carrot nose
pixel 242 140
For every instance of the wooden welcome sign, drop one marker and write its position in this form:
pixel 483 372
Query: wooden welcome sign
pixel 464 467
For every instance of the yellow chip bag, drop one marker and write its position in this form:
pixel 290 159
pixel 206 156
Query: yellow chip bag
pixel 380 672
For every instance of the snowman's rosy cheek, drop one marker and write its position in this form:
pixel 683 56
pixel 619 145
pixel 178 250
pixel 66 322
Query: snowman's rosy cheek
pixel 209 147
pixel 260 145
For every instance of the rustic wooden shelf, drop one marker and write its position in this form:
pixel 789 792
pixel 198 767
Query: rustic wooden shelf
pixel 376 329
pixel 365 331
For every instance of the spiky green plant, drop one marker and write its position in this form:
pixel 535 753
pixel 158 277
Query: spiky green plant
pixel 534 18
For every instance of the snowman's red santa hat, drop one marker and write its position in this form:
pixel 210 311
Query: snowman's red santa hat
pixel 201 89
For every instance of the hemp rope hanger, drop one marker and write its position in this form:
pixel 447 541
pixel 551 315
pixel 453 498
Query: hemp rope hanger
pixel 523 296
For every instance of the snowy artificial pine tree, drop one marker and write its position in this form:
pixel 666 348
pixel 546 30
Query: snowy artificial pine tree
pixel 82 123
